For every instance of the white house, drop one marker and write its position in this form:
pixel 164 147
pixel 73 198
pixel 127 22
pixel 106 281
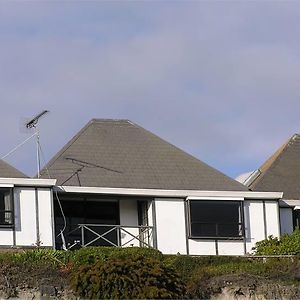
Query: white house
pixel 281 172
pixel 116 184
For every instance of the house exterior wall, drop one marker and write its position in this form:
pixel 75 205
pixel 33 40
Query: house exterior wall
pixel 170 225
pixel 129 217
pixel 261 219
pixel 32 219
pixel 286 220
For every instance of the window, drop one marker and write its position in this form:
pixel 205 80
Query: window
pixel 215 219
pixel 6 207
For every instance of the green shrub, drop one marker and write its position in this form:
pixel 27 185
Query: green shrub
pixel 34 257
pixel 285 245
pixel 128 278
pixel 91 255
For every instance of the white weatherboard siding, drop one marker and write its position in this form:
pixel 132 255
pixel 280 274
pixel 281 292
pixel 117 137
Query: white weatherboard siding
pixel 45 217
pixel 286 220
pixel 25 217
pixel 129 217
pixel 170 222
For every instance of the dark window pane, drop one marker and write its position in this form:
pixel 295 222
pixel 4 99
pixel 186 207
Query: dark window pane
pixel 6 213
pixel 215 219
pixel 86 211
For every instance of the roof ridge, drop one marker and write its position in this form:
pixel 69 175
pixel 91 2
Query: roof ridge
pixel 272 161
pixel 77 135
pixel 188 154
pixel 68 145
pixel 110 120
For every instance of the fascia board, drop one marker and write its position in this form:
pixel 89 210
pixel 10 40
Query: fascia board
pixel 170 193
pixel 28 182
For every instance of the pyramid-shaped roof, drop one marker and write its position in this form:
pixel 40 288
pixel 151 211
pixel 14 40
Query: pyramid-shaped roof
pixel 281 172
pixel 8 171
pixel 119 153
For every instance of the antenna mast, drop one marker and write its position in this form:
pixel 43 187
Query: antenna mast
pixel 33 124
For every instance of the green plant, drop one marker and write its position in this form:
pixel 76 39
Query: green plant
pixel 285 245
pixel 124 278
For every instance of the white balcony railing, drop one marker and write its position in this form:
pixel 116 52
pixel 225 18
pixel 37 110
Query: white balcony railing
pixel 110 235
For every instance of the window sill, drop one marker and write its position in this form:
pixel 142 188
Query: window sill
pixel 216 237
pixel 6 226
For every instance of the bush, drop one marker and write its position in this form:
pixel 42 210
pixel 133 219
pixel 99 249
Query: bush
pixel 91 255
pixel 286 245
pixel 124 278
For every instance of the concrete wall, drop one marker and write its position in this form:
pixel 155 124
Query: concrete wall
pixel 33 219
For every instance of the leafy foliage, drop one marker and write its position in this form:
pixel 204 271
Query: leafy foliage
pixel 286 245
pixel 124 278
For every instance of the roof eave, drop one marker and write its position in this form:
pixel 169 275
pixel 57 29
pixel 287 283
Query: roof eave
pixel 170 193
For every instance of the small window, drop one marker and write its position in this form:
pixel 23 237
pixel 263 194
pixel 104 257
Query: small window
pixel 6 207
pixel 215 219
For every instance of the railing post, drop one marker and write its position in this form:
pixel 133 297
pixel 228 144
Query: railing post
pixel 118 236
pixel 82 236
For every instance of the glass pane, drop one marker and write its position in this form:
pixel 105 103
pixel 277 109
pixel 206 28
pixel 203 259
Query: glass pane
pixel 215 218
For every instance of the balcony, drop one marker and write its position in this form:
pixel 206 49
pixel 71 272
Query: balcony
pixel 85 235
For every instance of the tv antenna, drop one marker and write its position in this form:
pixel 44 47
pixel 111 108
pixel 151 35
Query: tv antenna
pixel 33 124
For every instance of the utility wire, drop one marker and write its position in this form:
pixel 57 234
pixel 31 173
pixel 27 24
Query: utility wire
pixel 18 146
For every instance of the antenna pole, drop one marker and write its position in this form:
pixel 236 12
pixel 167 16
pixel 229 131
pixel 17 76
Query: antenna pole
pixel 38 152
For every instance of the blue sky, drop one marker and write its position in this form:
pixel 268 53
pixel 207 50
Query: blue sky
pixel 217 79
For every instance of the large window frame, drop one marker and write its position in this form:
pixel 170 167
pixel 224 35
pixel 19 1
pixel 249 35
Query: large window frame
pixel 216 229
pixel 6 208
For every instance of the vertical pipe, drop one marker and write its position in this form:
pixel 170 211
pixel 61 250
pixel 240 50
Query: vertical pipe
pixel 38 152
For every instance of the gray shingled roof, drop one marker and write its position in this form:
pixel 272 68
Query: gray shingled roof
pixel 119 153
pixel 8 171
pixel 281 172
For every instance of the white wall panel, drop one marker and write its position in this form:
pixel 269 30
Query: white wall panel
pixel 170 221
pixel 25 217
pixel 231 247
pixel 45 216
pixel 6 237
pixel 202 247
pixel 272 218
pixel 286 220
pixel 254 217
pixel 129 217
